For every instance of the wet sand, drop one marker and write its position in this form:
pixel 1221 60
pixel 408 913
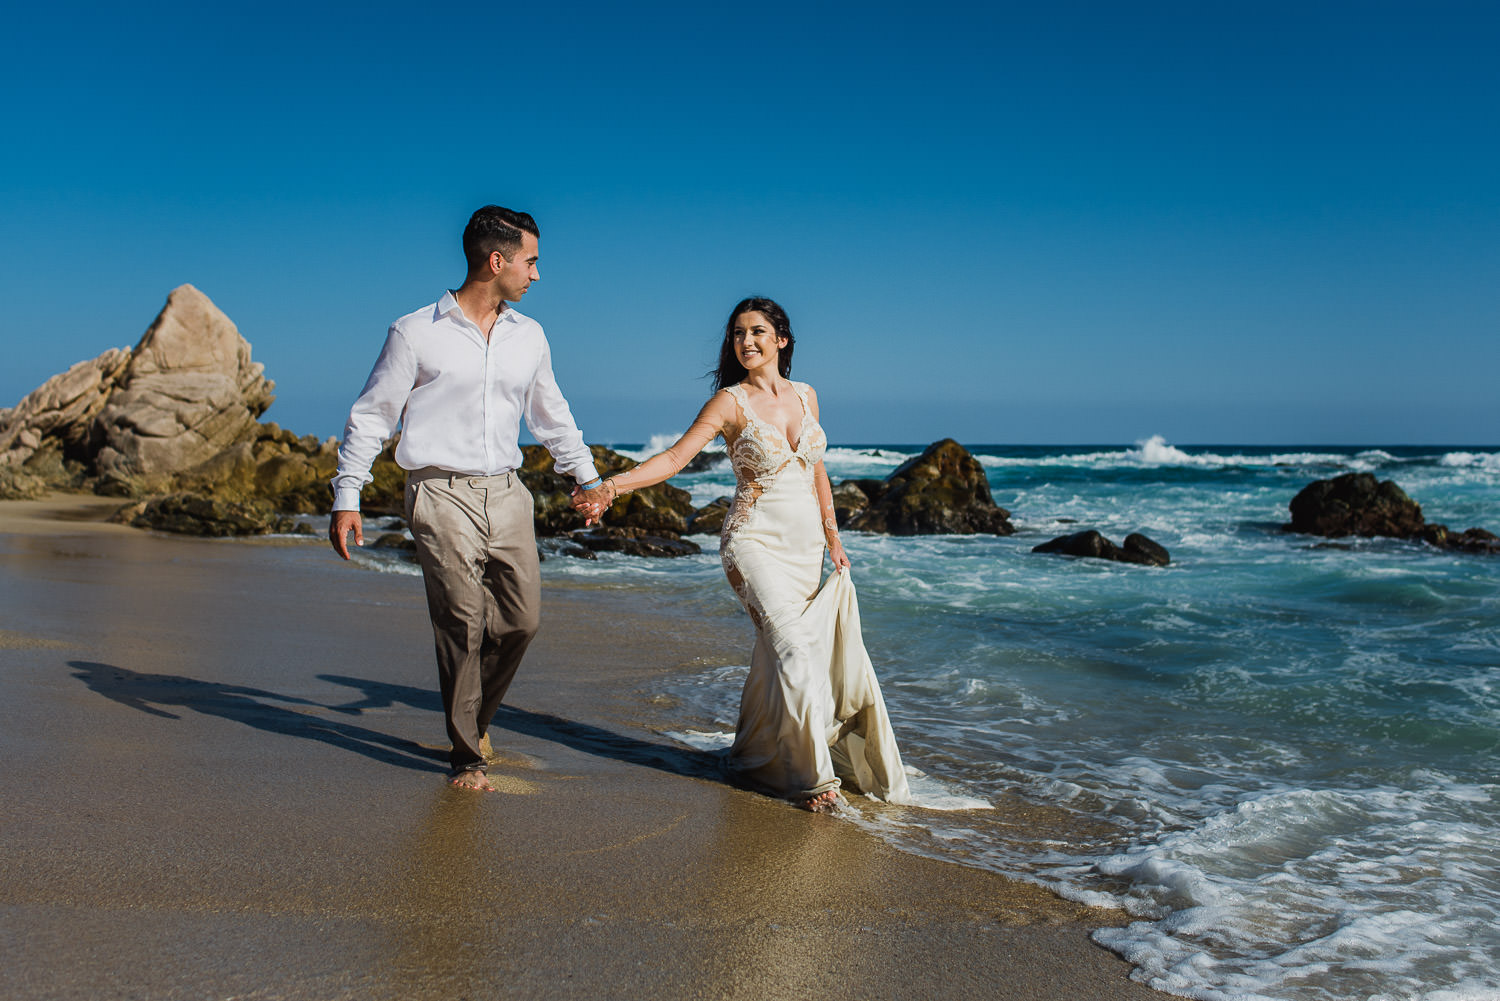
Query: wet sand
pixel 224 778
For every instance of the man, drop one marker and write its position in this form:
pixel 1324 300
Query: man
pixel 459 375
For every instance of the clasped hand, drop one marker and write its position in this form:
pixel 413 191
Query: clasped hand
pixel 592 503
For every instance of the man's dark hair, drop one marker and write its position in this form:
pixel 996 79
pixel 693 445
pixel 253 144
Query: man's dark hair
pixel 493 228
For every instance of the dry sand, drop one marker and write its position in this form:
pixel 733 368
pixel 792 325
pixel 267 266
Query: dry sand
pixel 223 779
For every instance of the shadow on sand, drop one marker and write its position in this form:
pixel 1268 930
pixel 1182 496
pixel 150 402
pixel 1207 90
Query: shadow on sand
pixel 155 694
pixel 570 733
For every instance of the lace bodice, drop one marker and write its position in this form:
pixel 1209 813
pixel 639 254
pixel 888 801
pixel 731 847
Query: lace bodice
pixel 764 460
pixel 761 452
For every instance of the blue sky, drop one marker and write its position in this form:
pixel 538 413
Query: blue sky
pixel 1017 223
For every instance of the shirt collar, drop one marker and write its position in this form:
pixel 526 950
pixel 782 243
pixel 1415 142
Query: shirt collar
pixel 448 304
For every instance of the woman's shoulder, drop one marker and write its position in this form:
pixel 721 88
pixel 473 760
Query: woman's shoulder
pixel 726 403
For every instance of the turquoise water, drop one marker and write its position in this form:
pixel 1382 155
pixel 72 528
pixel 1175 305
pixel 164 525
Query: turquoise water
pixel 1279 753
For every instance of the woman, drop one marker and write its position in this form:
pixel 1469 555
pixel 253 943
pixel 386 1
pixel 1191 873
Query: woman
pixel 811 711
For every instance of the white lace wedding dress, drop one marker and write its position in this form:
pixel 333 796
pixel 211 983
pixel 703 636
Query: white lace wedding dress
pixel 811 714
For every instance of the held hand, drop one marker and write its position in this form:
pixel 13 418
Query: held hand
pixel 591 503
pixel 339 527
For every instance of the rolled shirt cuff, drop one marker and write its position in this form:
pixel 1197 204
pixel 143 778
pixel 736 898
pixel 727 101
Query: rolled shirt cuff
pixel 346 498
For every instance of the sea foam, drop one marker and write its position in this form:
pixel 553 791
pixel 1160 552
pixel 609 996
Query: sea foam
pixel 1272 751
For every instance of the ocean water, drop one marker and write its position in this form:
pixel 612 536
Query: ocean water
pixel 1279 756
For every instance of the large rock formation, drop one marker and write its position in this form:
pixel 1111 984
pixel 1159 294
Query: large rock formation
pixel 44 439
pixel 61 409
pixel 289 472
pixel 942 491
pixel 189 392
pixel 1137 548
pixel 1357 504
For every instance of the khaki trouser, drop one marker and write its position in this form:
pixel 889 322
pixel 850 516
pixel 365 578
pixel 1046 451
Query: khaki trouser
pixel 477 547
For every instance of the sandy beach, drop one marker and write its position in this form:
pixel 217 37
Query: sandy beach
pixel 224 779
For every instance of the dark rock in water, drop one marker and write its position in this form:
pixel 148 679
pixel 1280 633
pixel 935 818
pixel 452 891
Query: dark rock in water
pixel 563 546
pixel 1091 544
pixel 398 543
pixel 849 499
pixel 394 540
pixel 1139 549
pixel 942 491
pixel 192 514
pixel 1355 504
pixel 709 519
pixel 1474 540
pixel 634 542
pixel 872 488
pixel 659 509
pixel 704 461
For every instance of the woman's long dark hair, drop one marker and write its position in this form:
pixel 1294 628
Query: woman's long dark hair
pixel 730 371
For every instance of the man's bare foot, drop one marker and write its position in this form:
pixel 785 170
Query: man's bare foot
pixel 823 802
pixel 473 780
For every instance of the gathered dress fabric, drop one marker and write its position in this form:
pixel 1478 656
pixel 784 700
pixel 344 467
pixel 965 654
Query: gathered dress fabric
pixel 811 716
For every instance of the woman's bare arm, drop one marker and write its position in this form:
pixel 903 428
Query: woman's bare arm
pixel 824 490
pixel 717 414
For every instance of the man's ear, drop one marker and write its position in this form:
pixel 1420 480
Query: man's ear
pixel 497 262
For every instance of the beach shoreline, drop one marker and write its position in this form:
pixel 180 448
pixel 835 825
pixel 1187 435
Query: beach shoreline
pixel 249 801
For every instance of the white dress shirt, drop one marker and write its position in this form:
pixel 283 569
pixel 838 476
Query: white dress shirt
pixel 459 398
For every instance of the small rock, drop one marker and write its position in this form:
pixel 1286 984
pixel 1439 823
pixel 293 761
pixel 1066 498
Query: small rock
pixel 849 499
pixel 563 546
pixel 709 519
pixel 191 514
pixel 634 542
pixel 1139 549
pixel 1474 540
pixel 1091 544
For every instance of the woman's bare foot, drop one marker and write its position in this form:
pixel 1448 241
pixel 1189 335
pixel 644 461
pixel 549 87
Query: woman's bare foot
pixel 823 802
pixel 473 780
